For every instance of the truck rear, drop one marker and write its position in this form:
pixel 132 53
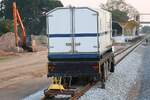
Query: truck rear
pixel 79 42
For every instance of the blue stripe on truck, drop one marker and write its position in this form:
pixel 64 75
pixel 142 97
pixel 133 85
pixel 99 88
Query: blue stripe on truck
pixel 75 56
pixel 73 35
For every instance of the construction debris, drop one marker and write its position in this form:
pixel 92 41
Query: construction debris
pixel 7 42
pixel 3 53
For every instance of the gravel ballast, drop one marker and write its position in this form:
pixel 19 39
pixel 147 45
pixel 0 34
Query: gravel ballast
pixel 119 83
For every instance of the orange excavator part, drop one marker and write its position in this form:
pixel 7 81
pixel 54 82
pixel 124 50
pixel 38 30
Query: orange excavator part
pixel 22 29
pixel 15 23
pixel 17 18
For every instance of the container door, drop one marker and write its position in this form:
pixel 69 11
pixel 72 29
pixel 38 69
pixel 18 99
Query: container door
pixel 86 40
pixel 59 25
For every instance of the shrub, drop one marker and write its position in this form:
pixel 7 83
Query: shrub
pixel 5 26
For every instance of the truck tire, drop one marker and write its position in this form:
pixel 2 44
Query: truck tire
pixel 112 66
pixel 104 73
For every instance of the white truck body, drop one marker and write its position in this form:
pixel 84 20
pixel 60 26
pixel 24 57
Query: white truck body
pixel 79 30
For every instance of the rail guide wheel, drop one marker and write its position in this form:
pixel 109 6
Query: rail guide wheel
pixel 56 84
pixel 56 88
pixel 53 87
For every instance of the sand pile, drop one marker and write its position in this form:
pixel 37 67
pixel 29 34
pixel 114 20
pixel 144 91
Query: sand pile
pixel 4 53
pixel 7 42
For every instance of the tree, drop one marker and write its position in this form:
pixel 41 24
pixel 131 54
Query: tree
pixel 32 13
pixel 2 8
pixel 5 26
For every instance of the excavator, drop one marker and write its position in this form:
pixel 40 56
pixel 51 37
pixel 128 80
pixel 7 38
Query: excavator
pixel 27 43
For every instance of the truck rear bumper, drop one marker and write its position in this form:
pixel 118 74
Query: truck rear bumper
pixel 74 57
pixel 73 69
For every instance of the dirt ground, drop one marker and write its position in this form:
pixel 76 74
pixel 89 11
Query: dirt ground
pixel 23 75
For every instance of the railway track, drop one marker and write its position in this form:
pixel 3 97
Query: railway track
pixel 123 53
pixel 119 56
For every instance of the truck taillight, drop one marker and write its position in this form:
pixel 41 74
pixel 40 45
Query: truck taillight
pixel 96 67
pixel 50 68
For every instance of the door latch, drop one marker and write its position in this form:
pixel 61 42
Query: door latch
pixel 68 44
pixel 51 46
pixel 95 46
pixel 77 44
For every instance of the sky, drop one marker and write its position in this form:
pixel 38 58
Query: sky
pixel 143 6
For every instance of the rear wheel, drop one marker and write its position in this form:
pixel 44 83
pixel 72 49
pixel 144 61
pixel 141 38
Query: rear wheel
pixel 112 69
pixel 104 73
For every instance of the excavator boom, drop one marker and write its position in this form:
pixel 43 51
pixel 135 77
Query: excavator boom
pixel 22 28
pixel 15 23
pixel 18 21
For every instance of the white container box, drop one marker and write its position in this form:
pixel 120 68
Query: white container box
pixel 78 30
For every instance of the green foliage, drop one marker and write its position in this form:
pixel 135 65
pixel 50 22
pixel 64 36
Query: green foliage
pixel 6 25
pixel 146 29
pixel 1 8
pixel 32 13
pixel 119 16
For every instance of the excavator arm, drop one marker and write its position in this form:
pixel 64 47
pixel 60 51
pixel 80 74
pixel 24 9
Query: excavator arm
pixel 22 29
pixel 15 23
pixel 18 21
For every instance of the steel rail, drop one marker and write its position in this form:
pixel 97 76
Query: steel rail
pixel 78 93
pixel 128 50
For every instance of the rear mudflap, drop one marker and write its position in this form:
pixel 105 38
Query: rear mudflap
pixel 73 69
